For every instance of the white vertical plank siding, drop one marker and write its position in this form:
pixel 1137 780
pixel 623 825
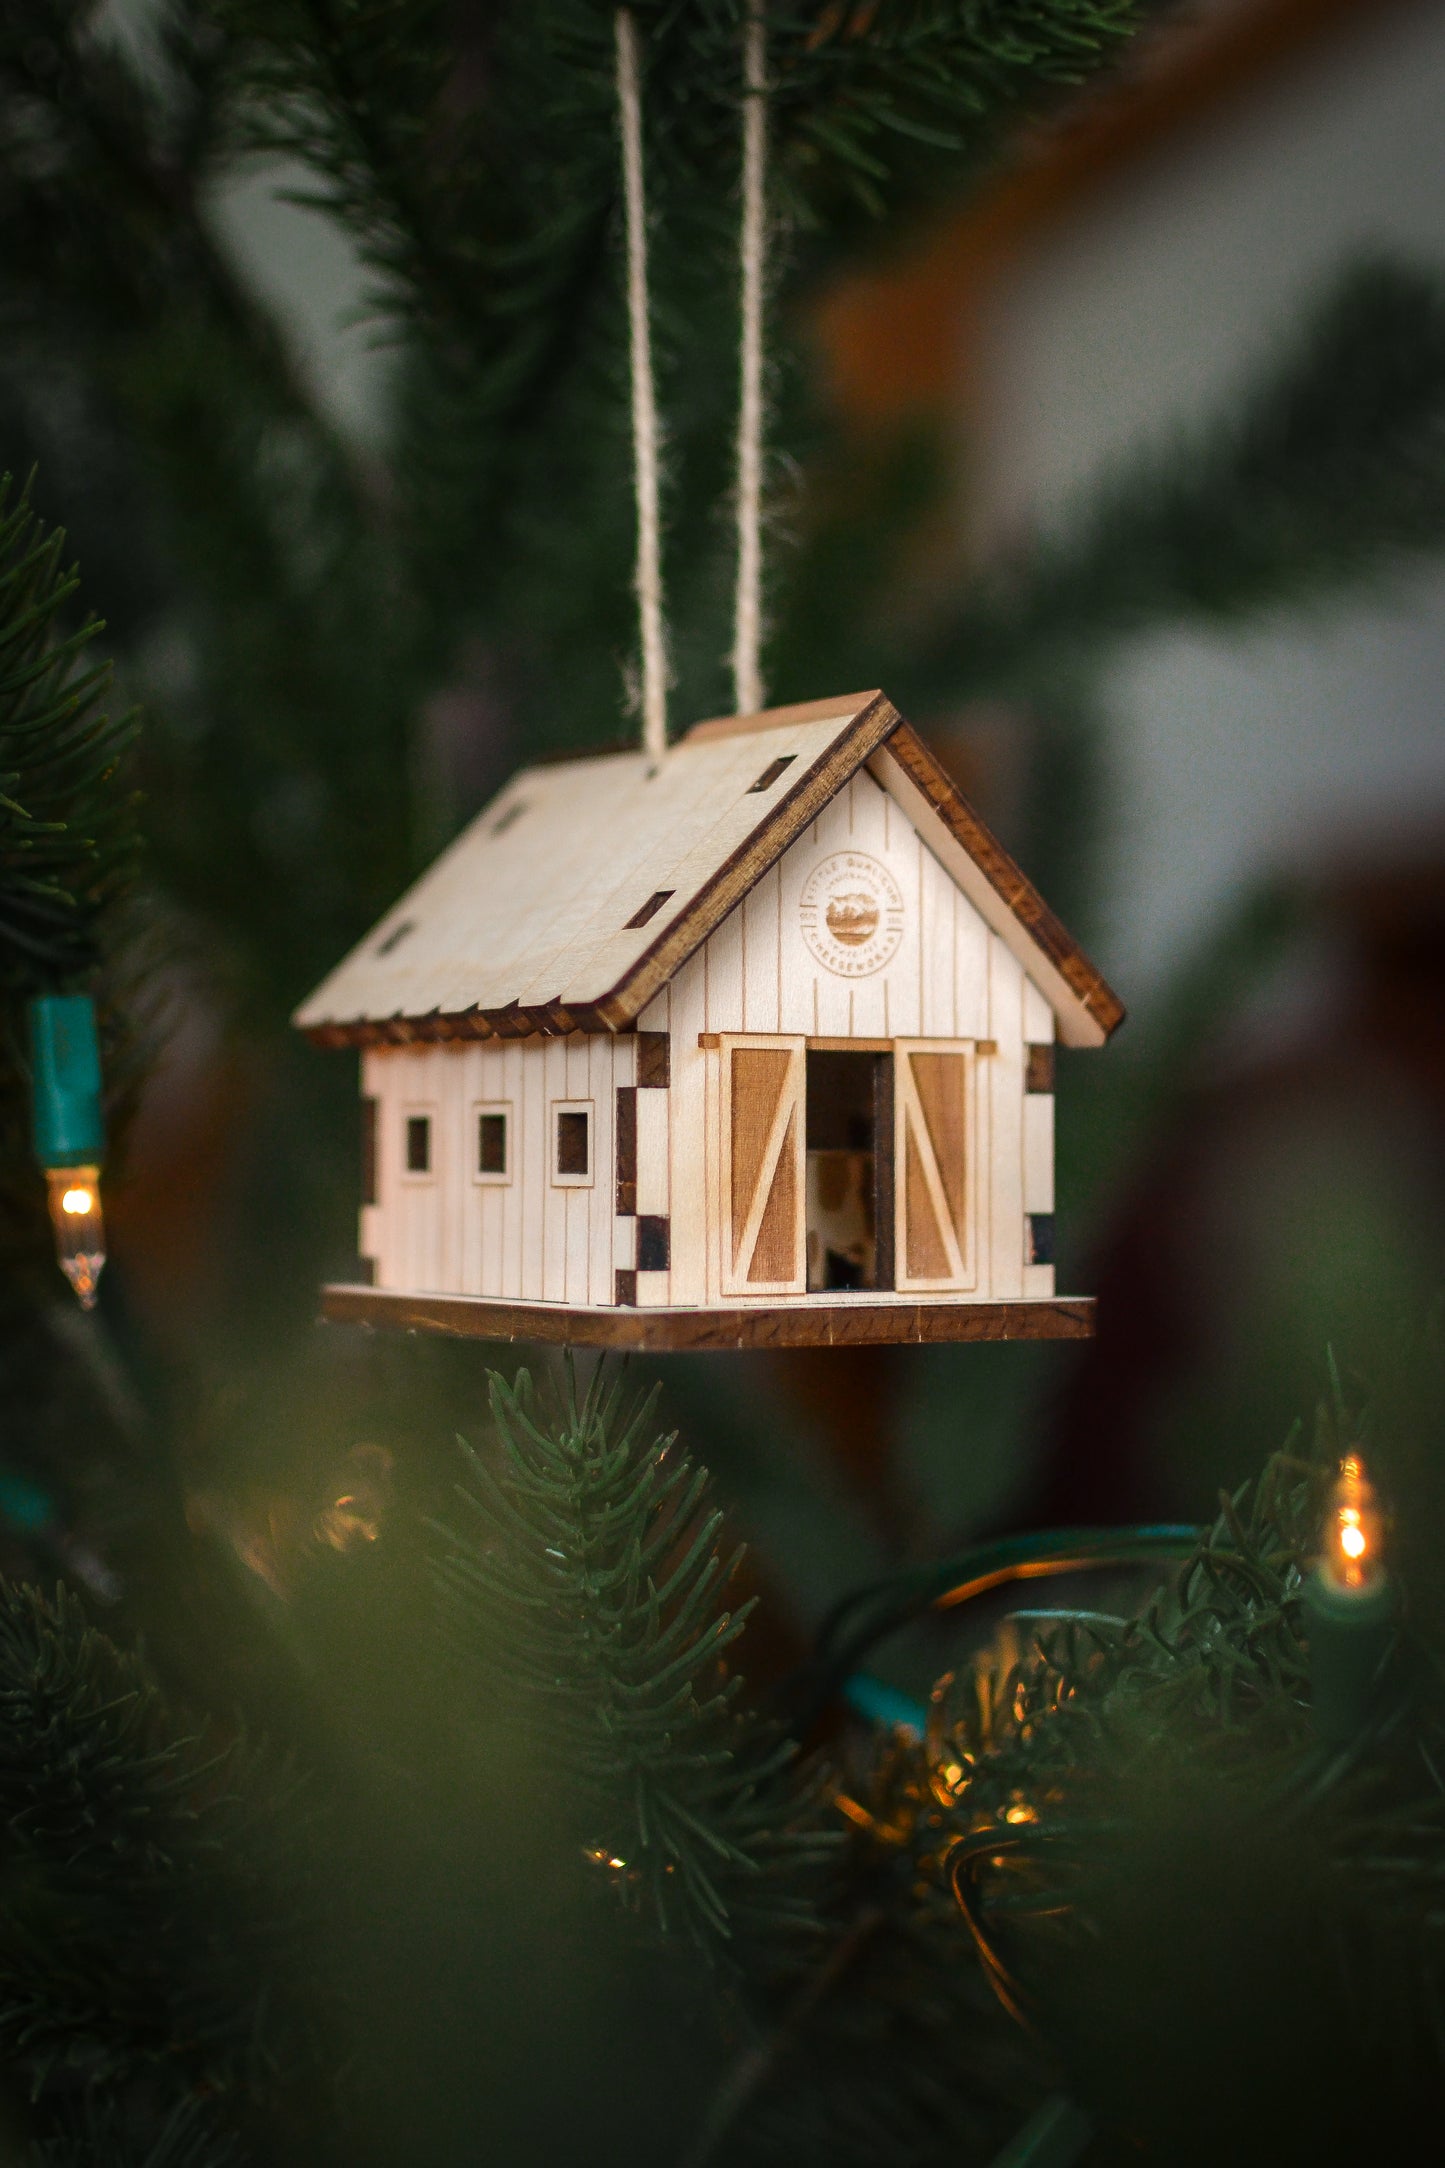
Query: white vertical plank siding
pixel 870 1007
pixel 468 1059
pixel 830 1013
pixel 535 1171
pixel 654 1186
pixel 712 1163
pixel 577 1203
pixel 724 954
pixel 454 1189
pixel 518 1193
pixel 938 948
pixel 761 955
pixel 487 1203
pixel 1005 1072
pixel 555 1199
pixel 597 1052
pixel 1038 1116
pixel 973 950
pixel 418 1194
pixel 1038 1016
pixel 687 1140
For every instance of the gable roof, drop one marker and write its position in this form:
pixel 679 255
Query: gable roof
pixel 574 897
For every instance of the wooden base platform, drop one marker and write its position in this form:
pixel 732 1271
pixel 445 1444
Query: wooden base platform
pixel 814 1321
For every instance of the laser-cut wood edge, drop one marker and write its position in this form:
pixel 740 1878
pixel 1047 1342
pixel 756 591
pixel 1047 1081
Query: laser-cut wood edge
pixel 793 1322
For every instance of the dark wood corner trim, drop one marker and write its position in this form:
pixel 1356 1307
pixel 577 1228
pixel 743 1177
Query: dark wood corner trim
pixel 677 1331
pixel 654 1060
pixel 1039 1066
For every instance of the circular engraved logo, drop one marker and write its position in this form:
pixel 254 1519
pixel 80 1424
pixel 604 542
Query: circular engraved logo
pixel 852 914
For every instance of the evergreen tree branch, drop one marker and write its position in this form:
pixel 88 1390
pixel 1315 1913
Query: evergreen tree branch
pixel 1137 1807
pixel 153 1913
pixel 591 1562
pixel 69 841
pixel 67 831
pixel 475 163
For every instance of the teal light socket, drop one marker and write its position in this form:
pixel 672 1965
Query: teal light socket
pixel 66 1115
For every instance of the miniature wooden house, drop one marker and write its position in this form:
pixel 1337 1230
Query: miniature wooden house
pixel 751 1046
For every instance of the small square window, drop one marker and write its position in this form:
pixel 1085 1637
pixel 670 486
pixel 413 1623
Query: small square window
pixel 492 1162
pixel 572 1143
pixel 1039 1246
pixel 418 1144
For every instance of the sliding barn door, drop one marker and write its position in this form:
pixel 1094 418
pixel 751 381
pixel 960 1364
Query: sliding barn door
pixel 935 1165
pixel 763 1108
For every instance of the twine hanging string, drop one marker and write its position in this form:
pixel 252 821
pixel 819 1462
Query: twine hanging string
pixel 748 692
pixel 644 399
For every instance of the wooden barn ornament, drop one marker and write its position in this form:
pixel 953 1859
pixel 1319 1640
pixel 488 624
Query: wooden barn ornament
pixel 749 1047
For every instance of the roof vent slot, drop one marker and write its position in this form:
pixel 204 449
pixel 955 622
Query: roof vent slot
pixel 771 773
pixel 650 909
pixel 504 819
pixel 397 935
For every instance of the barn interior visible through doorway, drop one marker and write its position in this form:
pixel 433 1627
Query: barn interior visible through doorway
pixel 849 1135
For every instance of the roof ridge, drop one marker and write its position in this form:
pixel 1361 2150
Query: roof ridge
pixel 803 711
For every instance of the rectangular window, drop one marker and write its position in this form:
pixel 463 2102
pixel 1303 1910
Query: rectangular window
pixel 494 1155
pixel 1039 1246
pixel 418 1144
pixel 368 1151
pixel 572 1143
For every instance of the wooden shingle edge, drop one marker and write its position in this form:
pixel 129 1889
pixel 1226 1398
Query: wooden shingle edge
pixel 1088 1009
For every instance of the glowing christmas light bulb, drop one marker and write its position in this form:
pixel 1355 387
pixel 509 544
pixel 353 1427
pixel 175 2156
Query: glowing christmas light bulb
pixel 79 1227
pixel 69 1132
pixel 1349 1608
pixel 1352 1554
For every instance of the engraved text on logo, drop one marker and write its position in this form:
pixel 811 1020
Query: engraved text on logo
pixel 852 914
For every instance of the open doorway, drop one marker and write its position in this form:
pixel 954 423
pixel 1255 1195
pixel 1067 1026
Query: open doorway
pixel 849 1135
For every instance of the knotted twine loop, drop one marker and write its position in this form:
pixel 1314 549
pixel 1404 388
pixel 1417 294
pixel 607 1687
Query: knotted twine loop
pixel 748 692
pixel 648 578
